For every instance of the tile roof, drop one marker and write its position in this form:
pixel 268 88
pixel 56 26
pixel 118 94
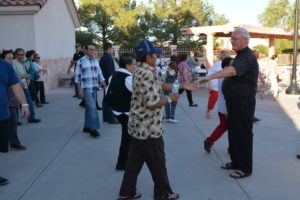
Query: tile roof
pixel 40 3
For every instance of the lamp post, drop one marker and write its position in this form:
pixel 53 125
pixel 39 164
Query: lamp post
pixel 293 88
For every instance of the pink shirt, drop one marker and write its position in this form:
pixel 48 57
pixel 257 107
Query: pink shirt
pixel 181 67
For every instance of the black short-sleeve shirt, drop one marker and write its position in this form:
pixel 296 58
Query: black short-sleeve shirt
pixel 245 82
pixel 78 55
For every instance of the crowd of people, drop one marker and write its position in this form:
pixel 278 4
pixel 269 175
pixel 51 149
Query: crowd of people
pixel 137 99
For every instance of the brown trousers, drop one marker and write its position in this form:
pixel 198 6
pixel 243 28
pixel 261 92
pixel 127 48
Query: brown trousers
pixel 152 152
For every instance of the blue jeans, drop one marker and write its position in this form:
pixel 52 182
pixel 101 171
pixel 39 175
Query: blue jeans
pixel 108 115
pixel 170 110
pixel 29 101
pixel 91 113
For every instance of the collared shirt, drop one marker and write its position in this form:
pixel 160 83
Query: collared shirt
pixel 244 84
pixel 145 123
pixel 21 70
pixel 78 55
pixel 128 84
pixel 181 67
pixel 31 70
pixel 88 73
pixel 217 66
pixel 41 73
pixel 8 77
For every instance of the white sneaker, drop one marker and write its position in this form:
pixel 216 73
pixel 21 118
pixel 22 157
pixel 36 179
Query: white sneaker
pixel 173 121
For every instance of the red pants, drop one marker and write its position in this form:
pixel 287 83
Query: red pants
pixel 219 130
pixel 213 97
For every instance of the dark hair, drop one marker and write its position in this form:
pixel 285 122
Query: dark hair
pixel 36 56
pixel 106 46
pixel 18 50
pixel 126 59
pixel 89 44
pixel 142 57
pixel 5 52
pixel 274 57
pixel 173 65
pixel 30 53
pixel 226 62
pixel 183 57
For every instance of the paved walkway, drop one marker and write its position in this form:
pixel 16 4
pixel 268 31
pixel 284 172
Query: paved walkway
pixel 63 163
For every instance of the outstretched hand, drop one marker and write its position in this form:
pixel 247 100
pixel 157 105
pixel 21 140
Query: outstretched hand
pixel 202 80
pixel 190 86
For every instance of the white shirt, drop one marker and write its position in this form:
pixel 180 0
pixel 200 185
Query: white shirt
pixel 221 100
pixel 128 84
pixel 217 66
pixel 41 73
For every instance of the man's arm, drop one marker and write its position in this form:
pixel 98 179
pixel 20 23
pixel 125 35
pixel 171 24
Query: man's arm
pixel 226 72
pixel 164 100
pixel 19 93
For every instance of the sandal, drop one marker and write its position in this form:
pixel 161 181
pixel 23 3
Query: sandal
pixel 228 166
pixel 239 174
pixel 134 196
pixel 169 196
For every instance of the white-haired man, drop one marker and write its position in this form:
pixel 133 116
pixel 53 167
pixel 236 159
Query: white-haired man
pixel 239 89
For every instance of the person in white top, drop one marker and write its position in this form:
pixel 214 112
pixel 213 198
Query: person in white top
pixel 213 84
pixel 39 83
pixel 273 75
pixel 222 111
pixel 120 91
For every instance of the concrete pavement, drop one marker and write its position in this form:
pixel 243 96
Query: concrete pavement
pixel 63 163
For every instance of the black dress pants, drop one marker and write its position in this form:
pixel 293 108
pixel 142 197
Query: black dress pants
pixel 13 124
pixel 4 135
pixel 240 125
pixel 152 152
pixel 40 89
pixel 125 141
pixel 33 93
pixel 188 94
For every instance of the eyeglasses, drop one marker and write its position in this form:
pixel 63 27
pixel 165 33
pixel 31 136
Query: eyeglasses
pixel 38 58
pixel 20 54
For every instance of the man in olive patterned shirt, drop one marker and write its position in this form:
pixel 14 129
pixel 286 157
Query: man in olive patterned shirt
pixel 146 127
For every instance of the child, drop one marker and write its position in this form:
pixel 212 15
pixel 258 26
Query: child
pixel 170 77
pixel 222 111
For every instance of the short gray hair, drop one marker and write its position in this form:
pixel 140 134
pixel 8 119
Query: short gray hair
pixel 245 32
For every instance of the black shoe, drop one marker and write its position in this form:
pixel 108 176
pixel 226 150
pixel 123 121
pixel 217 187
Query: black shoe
pixel 94 134
pixel 46 102
pixel 3 181
pixel 207 146
pixel 20 123
pixel 99 108
pixel 34 121
pixel 75 95
pixel 193 105
pixel 255 119
pixel 39 105
pixel 86 130
pixel 82 105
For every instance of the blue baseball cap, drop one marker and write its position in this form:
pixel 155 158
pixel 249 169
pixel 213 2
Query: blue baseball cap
pixel 146 47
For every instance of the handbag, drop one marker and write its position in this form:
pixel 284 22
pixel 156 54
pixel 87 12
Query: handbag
pixel 36 76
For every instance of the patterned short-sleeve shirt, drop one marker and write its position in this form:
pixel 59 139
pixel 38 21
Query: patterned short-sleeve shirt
pixel 145 123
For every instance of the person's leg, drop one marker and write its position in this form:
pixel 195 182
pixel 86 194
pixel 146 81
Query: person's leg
pixel 91 113
pixel 125 141
pixel 173 109
pixel 13 123
pixel 4 135
pixel 134 165
pixel 190 98
pixel 37 89
pixel 241 125
pixel 220 129
pixel 76 90
pixel 156 162
pixel 213 97
pixel 168 111
pixel 33 93
pixel 108 115
pixel 42 92
pixel 29 101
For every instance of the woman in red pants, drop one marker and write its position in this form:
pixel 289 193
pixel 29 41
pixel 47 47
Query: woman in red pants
pixel 222 112
pixel 213 84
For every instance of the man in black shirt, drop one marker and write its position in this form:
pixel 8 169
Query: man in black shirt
pixel 239 89
pixel 77 55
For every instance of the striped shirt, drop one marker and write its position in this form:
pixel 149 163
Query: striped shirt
pixel 88 73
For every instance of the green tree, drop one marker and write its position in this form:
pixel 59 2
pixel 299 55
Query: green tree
pixel 280 14
pixel 108 19
pixel 84 37
pixel 261 49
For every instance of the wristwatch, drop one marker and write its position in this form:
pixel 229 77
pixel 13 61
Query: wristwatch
pixel 169 99
pixel 24 105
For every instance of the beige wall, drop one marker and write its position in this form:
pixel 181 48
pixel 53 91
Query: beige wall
pixel 17 31
pixel 55 31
